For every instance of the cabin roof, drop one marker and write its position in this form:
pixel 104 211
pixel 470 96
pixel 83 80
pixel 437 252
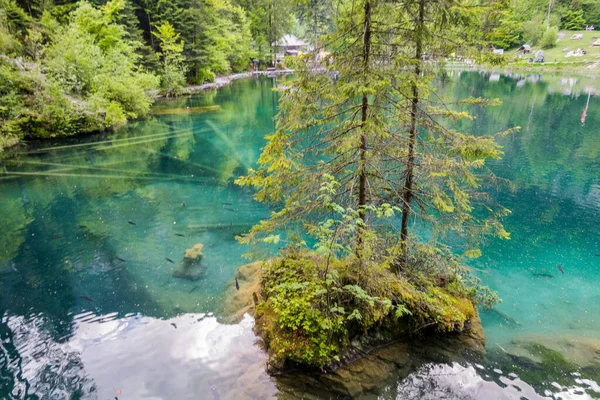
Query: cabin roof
pixel 290 41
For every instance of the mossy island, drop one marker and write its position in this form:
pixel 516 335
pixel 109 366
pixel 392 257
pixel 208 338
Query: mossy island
pixel 377 329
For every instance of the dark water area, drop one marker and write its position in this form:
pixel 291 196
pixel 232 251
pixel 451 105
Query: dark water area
pixel 90 310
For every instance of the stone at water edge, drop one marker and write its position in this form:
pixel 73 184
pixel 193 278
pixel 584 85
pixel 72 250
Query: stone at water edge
pixel 236 303
pixel 190 268
pixel 584 352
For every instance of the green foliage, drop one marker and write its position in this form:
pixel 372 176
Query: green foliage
pixel 534 29
pixel 508 33
pixel 549 39
pixel 290 62
pixel 173 74
pixel 79 77
pixel 314 306
pixel 573 20
pixel 269 20
pixel 92 60
pixel 13 18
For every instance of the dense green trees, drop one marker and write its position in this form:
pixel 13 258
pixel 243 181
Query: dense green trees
pixel 64 79
pixel 78 66
pixel 173 74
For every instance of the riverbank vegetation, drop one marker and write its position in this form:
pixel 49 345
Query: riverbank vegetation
pixel 84 66
pixel 377 194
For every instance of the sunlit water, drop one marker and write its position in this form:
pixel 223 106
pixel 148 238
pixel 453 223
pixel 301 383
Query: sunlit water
pixel 90 309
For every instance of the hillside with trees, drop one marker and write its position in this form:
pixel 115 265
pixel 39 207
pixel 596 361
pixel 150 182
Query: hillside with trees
pixel 68 67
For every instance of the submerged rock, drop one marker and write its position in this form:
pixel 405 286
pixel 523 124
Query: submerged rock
pixel 553 362
pixel 190 268
pixel 582 352
pixel 239 302
pixel 370 365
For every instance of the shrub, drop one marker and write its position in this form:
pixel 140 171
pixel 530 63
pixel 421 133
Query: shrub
pixel 549 39
pixel 290 62
pixel 205 75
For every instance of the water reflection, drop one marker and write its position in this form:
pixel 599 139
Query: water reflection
pixel 107 356
pixel 473 381
pixel 450 382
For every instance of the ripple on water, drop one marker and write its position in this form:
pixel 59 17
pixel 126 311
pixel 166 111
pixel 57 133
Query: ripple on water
pixel 455 381
pixel 136 357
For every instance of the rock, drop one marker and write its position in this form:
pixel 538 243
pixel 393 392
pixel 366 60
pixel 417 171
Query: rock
pixel 367 373
pixel 235 302
pixel 193 255
pixel 190 268
pixel 584 352
pixel 386 363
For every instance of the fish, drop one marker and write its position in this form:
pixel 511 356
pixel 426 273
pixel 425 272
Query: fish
pixel 174 326
pixel 227 204
pixel 131 223
pixel 57 237
pixel 543 275
pixel 228 209
pixel 597 255
pixel 179 234
pixel 237 285
pixel 121 259
pixel 194 288
pixel 183 204
pixel 169 260
pixel 86 298
pixel 561 269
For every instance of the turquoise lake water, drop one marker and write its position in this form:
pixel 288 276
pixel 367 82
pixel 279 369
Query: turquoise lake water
pixel 88 225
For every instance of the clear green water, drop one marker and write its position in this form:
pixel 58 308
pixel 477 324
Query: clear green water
pixel 77 322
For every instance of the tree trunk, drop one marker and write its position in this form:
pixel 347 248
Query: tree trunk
pixel 150 31
pixel 362 179
pixel 271 35
pixel 412 138
pixel 315 30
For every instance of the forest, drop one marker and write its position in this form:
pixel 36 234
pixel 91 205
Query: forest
pixel 69 67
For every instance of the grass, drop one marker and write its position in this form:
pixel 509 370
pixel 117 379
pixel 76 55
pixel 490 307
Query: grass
pixel 556 56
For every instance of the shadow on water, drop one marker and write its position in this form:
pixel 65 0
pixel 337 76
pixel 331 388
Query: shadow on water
pixel 90 308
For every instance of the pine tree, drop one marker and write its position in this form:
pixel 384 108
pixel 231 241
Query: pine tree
pixel 173 76
pixel 376 133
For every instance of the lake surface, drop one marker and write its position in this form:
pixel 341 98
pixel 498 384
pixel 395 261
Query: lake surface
pixel 89 227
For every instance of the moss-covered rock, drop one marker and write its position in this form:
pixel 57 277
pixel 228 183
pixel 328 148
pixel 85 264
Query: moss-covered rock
pixel 369 362
pixel 313 311
pixel 324 322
